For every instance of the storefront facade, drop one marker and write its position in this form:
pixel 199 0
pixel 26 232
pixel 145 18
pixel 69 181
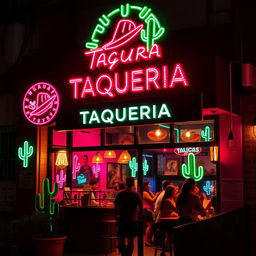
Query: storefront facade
pixel 137 102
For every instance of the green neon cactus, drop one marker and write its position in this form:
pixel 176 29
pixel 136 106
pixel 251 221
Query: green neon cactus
pixel 206 133
pixel 25 153
pixel 46 204
pixel 133 166
pixel 145 167
pixel 191 170
pixel 151 33
pixel 144 13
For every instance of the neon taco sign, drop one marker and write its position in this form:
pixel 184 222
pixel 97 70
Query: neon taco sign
pixel 131 42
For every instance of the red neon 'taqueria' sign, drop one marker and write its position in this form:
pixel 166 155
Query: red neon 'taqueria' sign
pixel 120 51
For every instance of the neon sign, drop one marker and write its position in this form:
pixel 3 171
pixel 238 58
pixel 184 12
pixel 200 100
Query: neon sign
pixel 152 33
pixel 24 153
pixel 190 170
pixel 185 151
pixel 145 34
pixel 208 188
pixel 75 167
pixel 81 179
pixel 96 170
pixel 41 103
pixel 134 81
pixel 61 178
pixel 206 133
pixel 134 166
pixel 120 115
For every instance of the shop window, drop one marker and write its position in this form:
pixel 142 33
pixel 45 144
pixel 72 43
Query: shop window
pixel 98 165
pixel 119 136
pixel 86 137
pixel 194 132
pixel 59 138
pixel 151 134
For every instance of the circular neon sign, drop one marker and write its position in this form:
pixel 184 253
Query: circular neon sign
pixel 41 103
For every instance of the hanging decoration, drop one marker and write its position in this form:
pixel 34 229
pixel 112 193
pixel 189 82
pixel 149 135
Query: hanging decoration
pixel 61 160
pixel 124 158
pixel 24 153
pixel 97 158
pixel 190 170
pixel 109 154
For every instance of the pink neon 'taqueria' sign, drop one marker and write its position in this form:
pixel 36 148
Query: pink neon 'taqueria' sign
pixel 41 103
pixel 125 48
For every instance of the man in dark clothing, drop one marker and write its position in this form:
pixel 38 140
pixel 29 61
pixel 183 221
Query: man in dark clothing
pixel 87 170
pixel 128 208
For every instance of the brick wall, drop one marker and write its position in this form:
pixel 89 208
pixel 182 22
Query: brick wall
pixel 248 111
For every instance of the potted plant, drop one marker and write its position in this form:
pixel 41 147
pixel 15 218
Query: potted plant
pixel 49 243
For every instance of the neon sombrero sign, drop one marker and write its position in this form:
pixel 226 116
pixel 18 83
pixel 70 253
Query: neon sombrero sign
pixel 41 103
pixel 135 33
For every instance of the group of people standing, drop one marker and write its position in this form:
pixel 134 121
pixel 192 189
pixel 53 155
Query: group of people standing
pixel 130 208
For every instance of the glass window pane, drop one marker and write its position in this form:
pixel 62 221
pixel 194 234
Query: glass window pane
pixel 59 138
pixel 194 132
pixel 86 138
pixel 119 136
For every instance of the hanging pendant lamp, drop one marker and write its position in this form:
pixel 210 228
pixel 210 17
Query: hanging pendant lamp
pixel 109 154
pixel 97 158
pixel 62 159
pixel 157 134
pixel 124 158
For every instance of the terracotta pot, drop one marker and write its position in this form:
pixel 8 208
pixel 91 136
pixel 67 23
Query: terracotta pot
pixel 49 246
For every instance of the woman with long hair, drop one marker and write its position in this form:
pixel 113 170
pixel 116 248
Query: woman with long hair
pixel 168 204
pixel 188 204
pixel 148 208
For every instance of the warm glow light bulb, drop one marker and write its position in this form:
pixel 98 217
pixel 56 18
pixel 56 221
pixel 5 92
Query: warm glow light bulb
pixel 158 133
pixel 188 134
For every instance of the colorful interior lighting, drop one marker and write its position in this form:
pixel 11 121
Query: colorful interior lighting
pixel 124 158
pixel 62 159
pixel 214 154
pixel 157 134
pixel 97 158
pixel 190 136
pixel 109 154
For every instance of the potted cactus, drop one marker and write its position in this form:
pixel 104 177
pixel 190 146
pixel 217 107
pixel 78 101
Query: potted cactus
pixel 49 243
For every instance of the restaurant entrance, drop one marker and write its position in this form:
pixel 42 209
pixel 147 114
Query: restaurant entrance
pixel 151 154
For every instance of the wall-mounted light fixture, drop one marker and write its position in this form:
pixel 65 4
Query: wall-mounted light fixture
pixel 214 154
pixel 97 158
pixel 124 158
pixel 62 159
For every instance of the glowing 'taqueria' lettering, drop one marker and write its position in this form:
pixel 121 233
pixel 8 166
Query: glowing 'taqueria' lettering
pixel 119 115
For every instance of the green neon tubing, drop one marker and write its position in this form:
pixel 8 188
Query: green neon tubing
pixel 177 131
pixel 45 203
pixel 153 32
pixel 24 153
pixel 206 133
pixel 133 166
pixel 145 167
pixel 190 170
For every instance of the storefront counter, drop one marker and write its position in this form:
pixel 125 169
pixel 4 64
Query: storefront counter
pixel 86 226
